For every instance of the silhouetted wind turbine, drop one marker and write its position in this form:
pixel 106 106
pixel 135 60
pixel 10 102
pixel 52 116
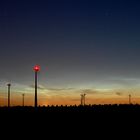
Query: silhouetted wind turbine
pixel 23 99
pixel 84 99
pixel 36 69
pixel 9 87
pixel 81 99
pixel 129 98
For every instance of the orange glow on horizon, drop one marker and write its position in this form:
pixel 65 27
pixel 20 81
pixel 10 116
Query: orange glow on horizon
pixel 67 101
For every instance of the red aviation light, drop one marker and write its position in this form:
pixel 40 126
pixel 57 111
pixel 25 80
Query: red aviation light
pixel 37 68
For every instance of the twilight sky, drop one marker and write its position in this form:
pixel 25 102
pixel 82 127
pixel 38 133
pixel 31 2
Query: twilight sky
pixel 91 45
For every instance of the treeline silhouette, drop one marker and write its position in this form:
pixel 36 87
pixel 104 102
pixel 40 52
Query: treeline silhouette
pixel 74 109
pixel 62 118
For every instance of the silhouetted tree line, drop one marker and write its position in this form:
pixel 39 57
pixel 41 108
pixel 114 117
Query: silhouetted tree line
pixel 57 117
pixel 77 109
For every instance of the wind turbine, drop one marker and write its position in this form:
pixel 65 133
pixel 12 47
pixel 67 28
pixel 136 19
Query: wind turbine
pixel 9 90
pixel 36 70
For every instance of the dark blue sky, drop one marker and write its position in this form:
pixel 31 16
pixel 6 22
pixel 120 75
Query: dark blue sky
pixel 78 43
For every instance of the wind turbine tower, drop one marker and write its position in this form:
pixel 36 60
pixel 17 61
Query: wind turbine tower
pixel 130 99
pixel 9 90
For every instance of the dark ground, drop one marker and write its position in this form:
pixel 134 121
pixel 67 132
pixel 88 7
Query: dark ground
pixel 82 121
pixel 75 113
pixel 123 108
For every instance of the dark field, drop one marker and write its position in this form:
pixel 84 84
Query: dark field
pixel 67 115
pixel 76 110
pixel 71 120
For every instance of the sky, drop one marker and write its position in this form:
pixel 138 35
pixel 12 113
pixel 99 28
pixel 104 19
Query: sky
pixel 82 46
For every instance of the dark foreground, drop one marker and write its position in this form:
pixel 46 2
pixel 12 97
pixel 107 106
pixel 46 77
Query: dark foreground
pixel 95 109
pixel 81 114
pixel 73 111
pixel 73 120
